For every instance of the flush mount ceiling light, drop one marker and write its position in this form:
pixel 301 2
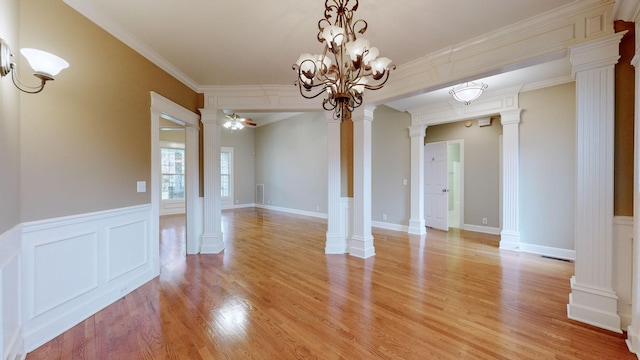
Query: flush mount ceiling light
pixel 45 65
pixel 468 92
pixel 235 122
pixel 347 66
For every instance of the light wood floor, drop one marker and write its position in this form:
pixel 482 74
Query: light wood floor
pixel 274 294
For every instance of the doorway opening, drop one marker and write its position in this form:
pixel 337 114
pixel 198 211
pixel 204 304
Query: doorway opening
pixel 165 109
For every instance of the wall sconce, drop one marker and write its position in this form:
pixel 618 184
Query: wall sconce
pixel 45 65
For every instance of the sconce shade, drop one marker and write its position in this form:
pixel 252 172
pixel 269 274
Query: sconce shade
pixel 44 62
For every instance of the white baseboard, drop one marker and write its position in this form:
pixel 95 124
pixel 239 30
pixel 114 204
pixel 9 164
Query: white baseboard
pixel 113 254
pixel 292 211
pixel 390 226
pixel 244 206
pixel 481 229
pixel 548 251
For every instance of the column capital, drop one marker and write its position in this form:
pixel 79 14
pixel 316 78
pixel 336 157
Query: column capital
pixel 210 116
pixel 510 117
pixel 595 54
pixel 364 112
pixel 417 130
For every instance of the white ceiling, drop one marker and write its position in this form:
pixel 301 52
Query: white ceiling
pixel 255 42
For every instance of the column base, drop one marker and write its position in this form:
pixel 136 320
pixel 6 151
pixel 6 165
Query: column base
pixel 509 240
pixel 362 247
pixel 336 244
pixel 633 339
pixel 595 307
pixel 417 227
pixel 212 244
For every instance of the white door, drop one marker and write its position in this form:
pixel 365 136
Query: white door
pixel 436 192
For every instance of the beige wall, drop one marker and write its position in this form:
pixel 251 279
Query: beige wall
pixel 291 162
pixel 390 165
pixel 9 126
pixel 481 168
pixel 547 166
pixel 85 140
pixel 242 143
pixel 625 99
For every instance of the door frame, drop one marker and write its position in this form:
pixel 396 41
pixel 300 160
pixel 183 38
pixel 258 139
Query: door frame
pixel 162 107
pixel 460 142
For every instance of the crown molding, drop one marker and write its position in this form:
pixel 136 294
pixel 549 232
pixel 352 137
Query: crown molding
pixel 525 43
pixel 89 11
pixel 259 98
pixel 529 42
pixel 626 10
pixel 451 111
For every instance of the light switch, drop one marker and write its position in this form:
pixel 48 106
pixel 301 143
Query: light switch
pixel 404 181
pixel 142 186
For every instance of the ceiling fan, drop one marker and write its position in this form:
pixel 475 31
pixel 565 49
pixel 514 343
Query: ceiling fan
pixel 235 122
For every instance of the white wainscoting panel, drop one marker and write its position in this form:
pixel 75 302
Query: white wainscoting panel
pixel 76 265
pixel 128 248
pixel 623 264
pixel 51 276
pixel 11 341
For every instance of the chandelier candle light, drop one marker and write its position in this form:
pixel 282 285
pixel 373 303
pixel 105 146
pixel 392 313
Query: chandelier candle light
pixel 347 66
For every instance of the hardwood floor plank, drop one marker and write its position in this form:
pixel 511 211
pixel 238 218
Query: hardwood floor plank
pixel 274 294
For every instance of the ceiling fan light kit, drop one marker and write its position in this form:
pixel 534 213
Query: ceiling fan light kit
pixel 235 122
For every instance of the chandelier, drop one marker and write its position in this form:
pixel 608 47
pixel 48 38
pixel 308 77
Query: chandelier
pixel 468 92
pixel 347 66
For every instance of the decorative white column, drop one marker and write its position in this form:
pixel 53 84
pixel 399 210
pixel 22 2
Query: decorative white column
pixel 416 221
pixel 193 188
pixel 362 241
pixel 633 330
pixel 592 299
pixel 212 241
pixel 336 240
pixel 510 234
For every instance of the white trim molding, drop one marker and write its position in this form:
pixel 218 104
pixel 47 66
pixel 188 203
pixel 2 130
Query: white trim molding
pixel 623 263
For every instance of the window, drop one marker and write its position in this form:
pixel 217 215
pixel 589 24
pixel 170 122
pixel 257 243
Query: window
pixel 225 174
pixel 172 173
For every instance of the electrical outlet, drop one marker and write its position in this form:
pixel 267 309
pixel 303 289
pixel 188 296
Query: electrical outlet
pixel 384 216
pixel 484 221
